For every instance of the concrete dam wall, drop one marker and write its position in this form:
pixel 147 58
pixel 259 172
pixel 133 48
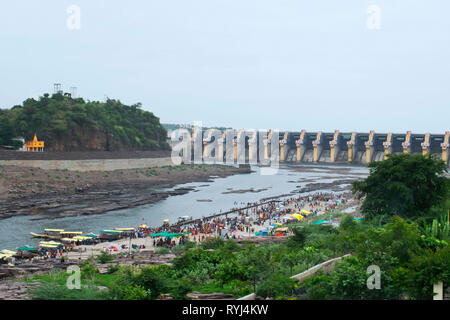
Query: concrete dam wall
pixel 323 147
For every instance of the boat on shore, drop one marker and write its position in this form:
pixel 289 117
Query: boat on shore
pixel 45 236
pixel 56 234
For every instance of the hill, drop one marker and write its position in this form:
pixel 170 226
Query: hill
pixel 67 124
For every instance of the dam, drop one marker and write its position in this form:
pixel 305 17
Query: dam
pixel 318 147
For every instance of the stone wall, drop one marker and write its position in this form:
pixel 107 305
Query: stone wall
pixel 326 266
pixel 91 165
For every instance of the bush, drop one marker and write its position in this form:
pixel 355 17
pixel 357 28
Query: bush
pixel 162 250
pixel 55 291
pixel 89 271
pixel 130 292
pixel 113 268
pixel 276 285
pixel 298 239
pixel 318 287
pixel 104 257
pixel 213 243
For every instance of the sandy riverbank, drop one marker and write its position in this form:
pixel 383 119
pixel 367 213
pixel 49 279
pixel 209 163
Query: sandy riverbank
pixel 84 251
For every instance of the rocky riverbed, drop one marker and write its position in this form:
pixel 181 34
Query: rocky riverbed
pixel 56 194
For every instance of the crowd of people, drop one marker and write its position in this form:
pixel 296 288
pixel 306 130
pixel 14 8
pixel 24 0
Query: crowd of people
pixel 245 222
pixel 242 222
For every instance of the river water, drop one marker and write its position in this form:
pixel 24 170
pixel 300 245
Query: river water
pixel 15 231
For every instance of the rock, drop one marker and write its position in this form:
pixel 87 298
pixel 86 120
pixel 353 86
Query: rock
pixel 210 296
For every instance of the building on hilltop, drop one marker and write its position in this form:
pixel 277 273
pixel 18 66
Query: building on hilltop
pixel 35 145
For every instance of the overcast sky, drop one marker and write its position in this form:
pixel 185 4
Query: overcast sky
pixel 272 64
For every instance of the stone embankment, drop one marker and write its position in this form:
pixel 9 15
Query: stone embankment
pixel 326 267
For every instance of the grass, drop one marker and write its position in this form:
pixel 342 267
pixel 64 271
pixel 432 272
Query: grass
pixel 237 289
pixel 162 251
pixel 53 286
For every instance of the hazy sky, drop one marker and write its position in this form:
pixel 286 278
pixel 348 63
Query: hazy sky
pixel 277 64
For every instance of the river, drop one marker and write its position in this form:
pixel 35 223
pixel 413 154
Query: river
pixel 15 231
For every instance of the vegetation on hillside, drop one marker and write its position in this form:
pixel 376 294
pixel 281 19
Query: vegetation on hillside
pixel 67 124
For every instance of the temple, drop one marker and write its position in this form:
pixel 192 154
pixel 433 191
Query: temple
pixel 35 145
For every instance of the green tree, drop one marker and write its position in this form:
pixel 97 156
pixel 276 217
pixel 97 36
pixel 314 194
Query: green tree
pixel 426 269
pixel 405 185
pixel 298 239
pixel 276 286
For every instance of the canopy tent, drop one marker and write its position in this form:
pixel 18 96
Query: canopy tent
pixel 91 235
pixel 166 234
pixel 276 224
pixel 321 222
pixel 50 242
pixel 305 212
pixel 81 238
pixel 27 249
pixel 47 246
pixel 68 239
pixel 297 216
pixel 357 219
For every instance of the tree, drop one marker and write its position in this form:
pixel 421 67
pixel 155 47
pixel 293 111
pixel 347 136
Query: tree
pixel 405 185
pixel 426 269
pixel 299 237
pixel 318 287
pixel 276 285
pixel 290 259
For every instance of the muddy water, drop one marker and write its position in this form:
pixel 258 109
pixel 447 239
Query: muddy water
pixel 16 231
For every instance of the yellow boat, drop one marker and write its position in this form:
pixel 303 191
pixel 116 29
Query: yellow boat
pixel 8 252
pixel 45 236
pixel 66 233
